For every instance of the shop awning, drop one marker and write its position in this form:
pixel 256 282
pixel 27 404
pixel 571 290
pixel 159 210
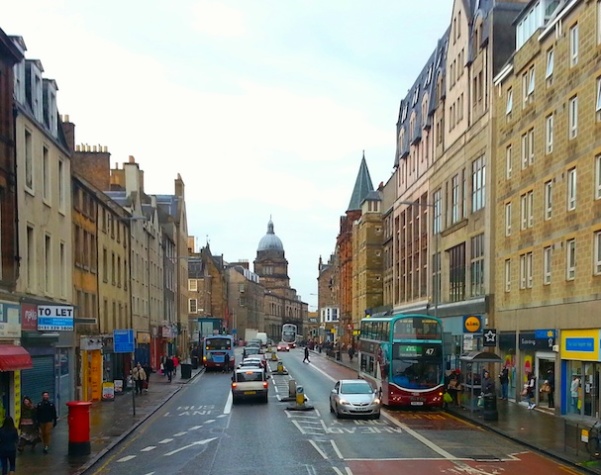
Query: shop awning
pixel 13 357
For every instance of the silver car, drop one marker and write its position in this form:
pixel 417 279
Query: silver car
pixel 354 397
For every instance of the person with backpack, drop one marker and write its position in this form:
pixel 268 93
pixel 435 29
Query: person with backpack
pixel 9 438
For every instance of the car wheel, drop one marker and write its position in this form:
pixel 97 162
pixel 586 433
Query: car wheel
pixel 331 409
pixel 377 416
pixel 338 415
pixel 266 399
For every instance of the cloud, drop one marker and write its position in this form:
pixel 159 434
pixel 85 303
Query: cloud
pixel 216 19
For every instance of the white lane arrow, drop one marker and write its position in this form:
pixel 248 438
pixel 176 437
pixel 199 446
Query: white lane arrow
pixel 200 442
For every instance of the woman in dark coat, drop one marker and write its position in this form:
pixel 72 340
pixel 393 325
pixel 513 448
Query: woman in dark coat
pixel 30 431
pixel 9 437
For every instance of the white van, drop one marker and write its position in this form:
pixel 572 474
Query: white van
pixel 263 337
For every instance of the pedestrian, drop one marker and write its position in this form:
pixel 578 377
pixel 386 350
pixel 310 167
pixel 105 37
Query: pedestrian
pixel 530 388
pixel 169 368
pixel 574 387
pixel 306 358
pixel 488 384
pixel 226 363
pixel 175 364
pixel 28 425
pixel 9 438
pixel 454 386
pixel 148 370
pixel 139 376
pixel 504 381
pixel 46 417
pixel 351 353
pixel 550 387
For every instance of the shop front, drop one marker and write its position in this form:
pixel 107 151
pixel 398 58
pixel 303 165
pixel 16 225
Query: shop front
pixel 581 367
pixel 91 368
pixel 143 348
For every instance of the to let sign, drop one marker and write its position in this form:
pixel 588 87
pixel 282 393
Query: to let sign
pixel 56 318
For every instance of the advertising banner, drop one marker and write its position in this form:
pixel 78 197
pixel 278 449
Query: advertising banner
pixel 10 320
pixel 55 318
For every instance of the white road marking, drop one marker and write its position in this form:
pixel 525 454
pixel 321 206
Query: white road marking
pixel 195 427
pixel 347 470
pixel 126 458
pixel 200 442
pixel 150 473
pixel 166 414
pixel 228 404
pixel 210 421
pixel 298 426
pixel 336 450
pixel 179 434
pixel 165 441
pixel 321 452
pixel 149 448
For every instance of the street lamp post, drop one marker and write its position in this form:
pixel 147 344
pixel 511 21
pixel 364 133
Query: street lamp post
pixel 436 269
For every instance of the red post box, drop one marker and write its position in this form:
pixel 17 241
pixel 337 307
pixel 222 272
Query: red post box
pixel 79 427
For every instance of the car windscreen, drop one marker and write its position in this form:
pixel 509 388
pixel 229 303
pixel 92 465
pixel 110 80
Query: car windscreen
pixel 252 350
pixel 355 388
pixel 249 376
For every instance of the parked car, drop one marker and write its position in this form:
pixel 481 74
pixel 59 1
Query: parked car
pixel 354 397
pixel 283 346
pixel 250 383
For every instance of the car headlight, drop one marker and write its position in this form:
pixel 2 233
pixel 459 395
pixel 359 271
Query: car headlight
pixel 344 402
pixel 376 401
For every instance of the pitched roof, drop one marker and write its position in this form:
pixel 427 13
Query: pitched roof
pixel 363 186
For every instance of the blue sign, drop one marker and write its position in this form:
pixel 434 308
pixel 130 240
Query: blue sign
pixel 580 344
pixel 123 341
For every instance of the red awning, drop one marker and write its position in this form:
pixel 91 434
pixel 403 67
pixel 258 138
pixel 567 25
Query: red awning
pixel 13 357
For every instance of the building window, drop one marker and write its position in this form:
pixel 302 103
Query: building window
pixel 528 83
pixel 571 259
pixel 574 45
pixel 46 174
pixel 550 65
pixel 526 271
pixel 547 253
pixel 28 160
pixel 598 22
pixel 573 117
pixel 598 101
pixel 61 185
pixel 509 102
pixel 549 134
pixel 508 162
pixel 477 265
pixel 457 273
pixel 527 210
pixel 548 211
pixel 192 305
pixel 527 149
pixel 48 269
pixel 571 189
pixel 508 219
pixel 597 253
pixel 437 219
pixel 507 275
pixel 598 177
pixel 478 184
pixel 105 265
pixel 193 285
pixel 456 199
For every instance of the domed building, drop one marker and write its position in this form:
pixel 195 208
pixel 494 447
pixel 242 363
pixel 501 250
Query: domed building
pixel 282 304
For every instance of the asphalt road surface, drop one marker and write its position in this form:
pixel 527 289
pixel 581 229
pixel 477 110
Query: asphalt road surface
pixel 200 432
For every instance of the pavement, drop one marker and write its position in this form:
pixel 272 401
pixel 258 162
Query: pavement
pixel 559 437
pixel 110 423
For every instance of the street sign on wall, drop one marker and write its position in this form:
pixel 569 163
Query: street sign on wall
pixel 123 341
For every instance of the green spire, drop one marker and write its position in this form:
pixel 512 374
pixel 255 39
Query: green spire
pixel 363 186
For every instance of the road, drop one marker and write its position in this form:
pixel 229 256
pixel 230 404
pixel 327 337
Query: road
pixel 199 431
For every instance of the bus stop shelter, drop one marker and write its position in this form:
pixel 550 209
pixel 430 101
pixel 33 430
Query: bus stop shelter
pixel 473 365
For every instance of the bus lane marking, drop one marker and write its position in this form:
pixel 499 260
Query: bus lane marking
pixel 199 442
pixel 126 458
pixel 336 450
pixel 165 441
pixel 148 449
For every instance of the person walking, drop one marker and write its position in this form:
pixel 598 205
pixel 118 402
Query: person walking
pixel 488 384
pixel 306 358
pixel 148 370
pixel 530 388
pixel 504 381
pixel 9 438
pixel 46 417
pixel 175 364
pixel 169 368
pixel 351 352
pixel 139 376
pixel 28 425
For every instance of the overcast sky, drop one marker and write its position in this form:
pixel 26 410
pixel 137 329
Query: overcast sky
pixel 263 106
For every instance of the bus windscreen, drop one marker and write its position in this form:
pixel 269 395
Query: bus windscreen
pixel 218 344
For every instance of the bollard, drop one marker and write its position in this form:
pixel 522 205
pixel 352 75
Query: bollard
pixel 300 396
pixel 79 427
pixel 280 367
pixel 291 388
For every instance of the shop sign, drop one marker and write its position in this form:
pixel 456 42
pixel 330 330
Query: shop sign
pixel 89 343
pixel 143 337
pixel 29 317
pixel 108 391
pixel 537 340
pixel 166 332
pixel 472 323
pixel 55 318
pixel 580 345
pixel 10 321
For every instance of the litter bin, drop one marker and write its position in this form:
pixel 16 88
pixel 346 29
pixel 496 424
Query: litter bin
pixel 337 355
pixel 489 411
pixel 186 370
pixel 195 362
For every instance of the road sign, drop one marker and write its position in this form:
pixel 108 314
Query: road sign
pixel 123 341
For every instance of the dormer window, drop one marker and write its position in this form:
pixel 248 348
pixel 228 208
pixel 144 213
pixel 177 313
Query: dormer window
pixel 415 96
pixel 404 113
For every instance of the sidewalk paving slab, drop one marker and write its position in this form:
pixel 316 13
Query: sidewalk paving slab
pixel 556 436
pixel 110 423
